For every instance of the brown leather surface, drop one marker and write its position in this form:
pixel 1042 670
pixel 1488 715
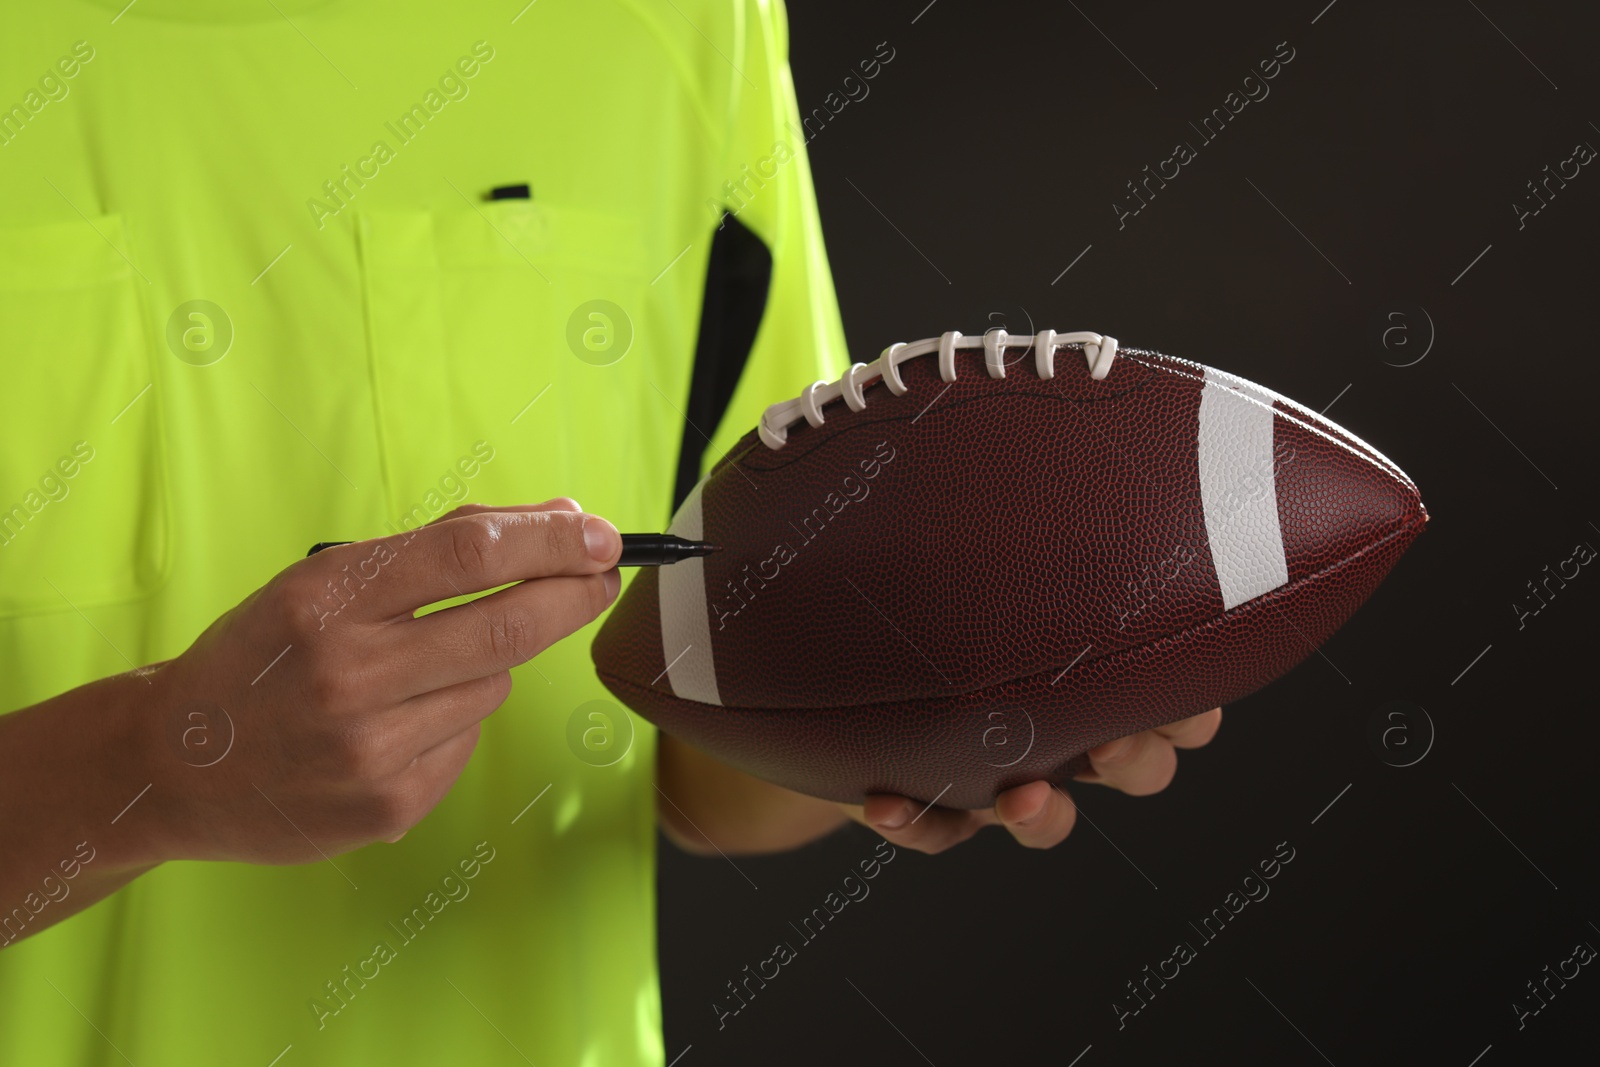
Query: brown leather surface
pixel 1027 559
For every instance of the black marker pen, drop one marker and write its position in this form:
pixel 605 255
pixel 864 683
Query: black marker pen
pixel 653 550
pixel 638 549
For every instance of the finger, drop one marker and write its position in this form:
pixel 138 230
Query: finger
pixel 917 826
pixel 417 725
pixel 560 503
pixel 494 633
pixel 393 576
pixel 1138 765
pixel 432 774
pixel 1038 814
pixel 441 764
pixel 352 551
pixel 1194 731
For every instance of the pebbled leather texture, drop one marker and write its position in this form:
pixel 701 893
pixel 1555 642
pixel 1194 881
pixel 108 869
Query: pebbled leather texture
pixel 965 588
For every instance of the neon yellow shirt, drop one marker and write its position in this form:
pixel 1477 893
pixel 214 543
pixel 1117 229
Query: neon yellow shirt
pixel 378 342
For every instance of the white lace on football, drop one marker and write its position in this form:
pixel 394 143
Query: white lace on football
pixel 1098 349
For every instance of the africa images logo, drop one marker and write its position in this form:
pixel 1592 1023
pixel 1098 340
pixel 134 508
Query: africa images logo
pixel 341 189
pixel 453 888
pixel 752 578
pixel 855 889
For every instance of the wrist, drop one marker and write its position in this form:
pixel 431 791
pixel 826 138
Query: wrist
pixel 712 807
pixel 176 747
pixel 72 768
pixel 134 824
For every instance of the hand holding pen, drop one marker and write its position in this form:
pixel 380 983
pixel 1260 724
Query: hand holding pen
pixel 638 549
pixel 360 706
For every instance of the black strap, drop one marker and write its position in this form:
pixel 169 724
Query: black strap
pixel 737 279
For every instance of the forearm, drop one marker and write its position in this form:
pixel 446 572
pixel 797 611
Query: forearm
pixel 707 806
pixel 69 767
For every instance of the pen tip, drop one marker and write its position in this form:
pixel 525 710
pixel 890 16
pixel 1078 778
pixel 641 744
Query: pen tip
pixel 705 548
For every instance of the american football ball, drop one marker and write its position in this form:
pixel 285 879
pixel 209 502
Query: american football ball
pixel 961 566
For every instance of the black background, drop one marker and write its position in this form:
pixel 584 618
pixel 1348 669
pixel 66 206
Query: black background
pixel 986 157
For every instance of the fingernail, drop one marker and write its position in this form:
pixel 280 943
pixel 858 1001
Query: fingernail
pixel 613 579
pixel 600 538
pixel 896 818
pixel 1032 815
pixel 1114 750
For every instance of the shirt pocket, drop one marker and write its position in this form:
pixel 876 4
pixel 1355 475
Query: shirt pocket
pixel 83 497
pixel 524 326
